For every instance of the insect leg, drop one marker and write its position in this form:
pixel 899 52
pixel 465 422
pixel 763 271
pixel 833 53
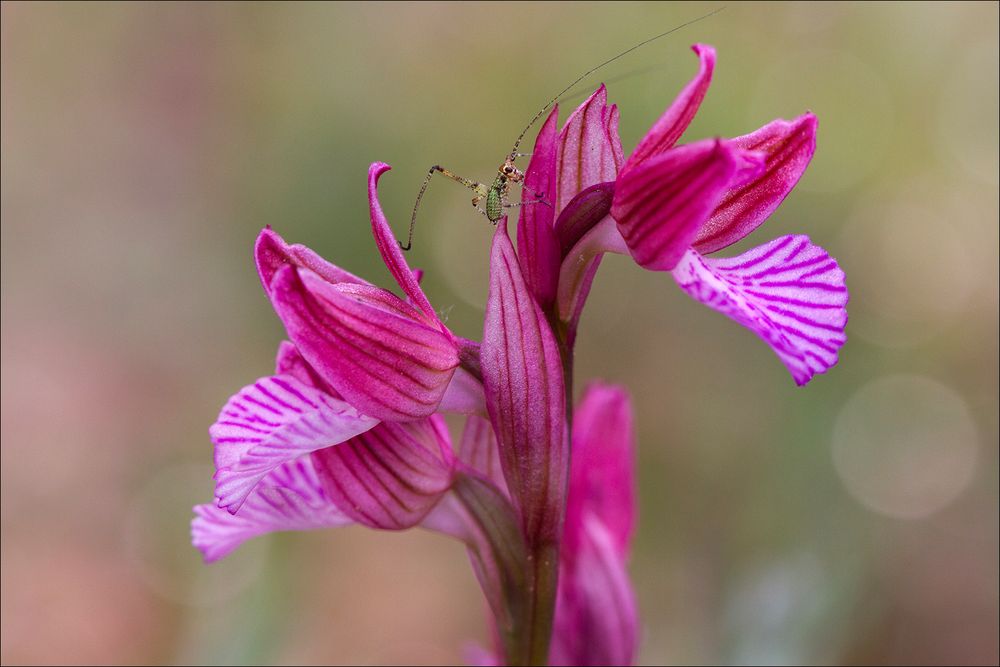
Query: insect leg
pixel 472 185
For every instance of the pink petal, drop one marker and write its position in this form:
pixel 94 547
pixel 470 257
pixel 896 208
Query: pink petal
pixel 787 147
pixel 290 362
pixel 373 348
pixel 525 395
pixel 596 619
pixel 271 253
pixel 478 450
pixel 288 498
pixel 391 253
pixel 589 150
pixel 789 292
pixel 661 204
pixel 464 395
pixel 589 207
pixel 272 421
pixel 671 125
pixel 602 462
pixel 537 246
pixel 389 477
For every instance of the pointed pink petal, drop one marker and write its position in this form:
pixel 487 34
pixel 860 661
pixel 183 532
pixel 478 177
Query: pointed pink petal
pixel 389 477
pixel 787 147
pixel 587 152
pixel 288 498
pixel 589 207
pixel 602 460
pixel 789 292
pixel 391 253
pixel 290 362
pixel 671 125
pixel 597 621
pixel 525 395
pixel 271 253
pixel 537 246
pixel 464 395
pixel 478 450
pixel 274 420
pixel 369 345
pixel 661 204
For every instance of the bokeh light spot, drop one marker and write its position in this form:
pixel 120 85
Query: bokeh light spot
pixel 905 446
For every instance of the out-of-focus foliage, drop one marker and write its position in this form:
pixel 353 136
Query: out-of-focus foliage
pixel 144 145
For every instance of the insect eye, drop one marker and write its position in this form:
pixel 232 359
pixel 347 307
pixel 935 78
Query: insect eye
pixel 508 170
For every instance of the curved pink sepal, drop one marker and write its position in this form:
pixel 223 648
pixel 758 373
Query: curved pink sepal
pixel 270 422
pixel 789 292
pixel 391 253
pixel 271 253
pixel 391 476
pixel 661 204
pixel 589 148
pixel 537 246
pixel 372 347
pixel 671 125
pixel 288 498
pixel 786 148
pixel 525 394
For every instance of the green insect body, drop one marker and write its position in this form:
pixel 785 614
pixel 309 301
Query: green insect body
pixel 494 199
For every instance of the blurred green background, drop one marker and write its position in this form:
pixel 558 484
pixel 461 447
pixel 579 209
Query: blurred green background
pixel 144 146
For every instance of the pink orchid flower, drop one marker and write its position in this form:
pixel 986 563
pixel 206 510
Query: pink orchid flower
pixel 667 206
pixel 372 357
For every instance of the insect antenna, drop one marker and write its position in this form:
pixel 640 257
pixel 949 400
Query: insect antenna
pixel 517 143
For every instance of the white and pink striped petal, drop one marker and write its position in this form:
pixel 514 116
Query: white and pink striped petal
pixel 270 422
pixel 789 292
pixel 288 498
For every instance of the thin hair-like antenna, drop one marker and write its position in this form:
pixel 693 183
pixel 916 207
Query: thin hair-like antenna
pixel 583 76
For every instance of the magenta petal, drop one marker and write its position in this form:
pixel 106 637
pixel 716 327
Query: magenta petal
pixel 525 395
pixel 537 246
pixel 271 253
pixel 478 450
pixel 369 345
pixel 274 420
pixel 596 619
pixel 288 498
pixel 602 461
pixel 587 153
pixel 582 213
pixel 391 253
pixel 787 147
pixel 661 204
pixel 789 292
pixel 671 125
pixel 289 362
pixel 389 477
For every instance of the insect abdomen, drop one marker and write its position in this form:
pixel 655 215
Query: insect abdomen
pixel 494 205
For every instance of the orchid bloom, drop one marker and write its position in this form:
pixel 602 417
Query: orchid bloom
pixel 349 428
pixel 667 206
